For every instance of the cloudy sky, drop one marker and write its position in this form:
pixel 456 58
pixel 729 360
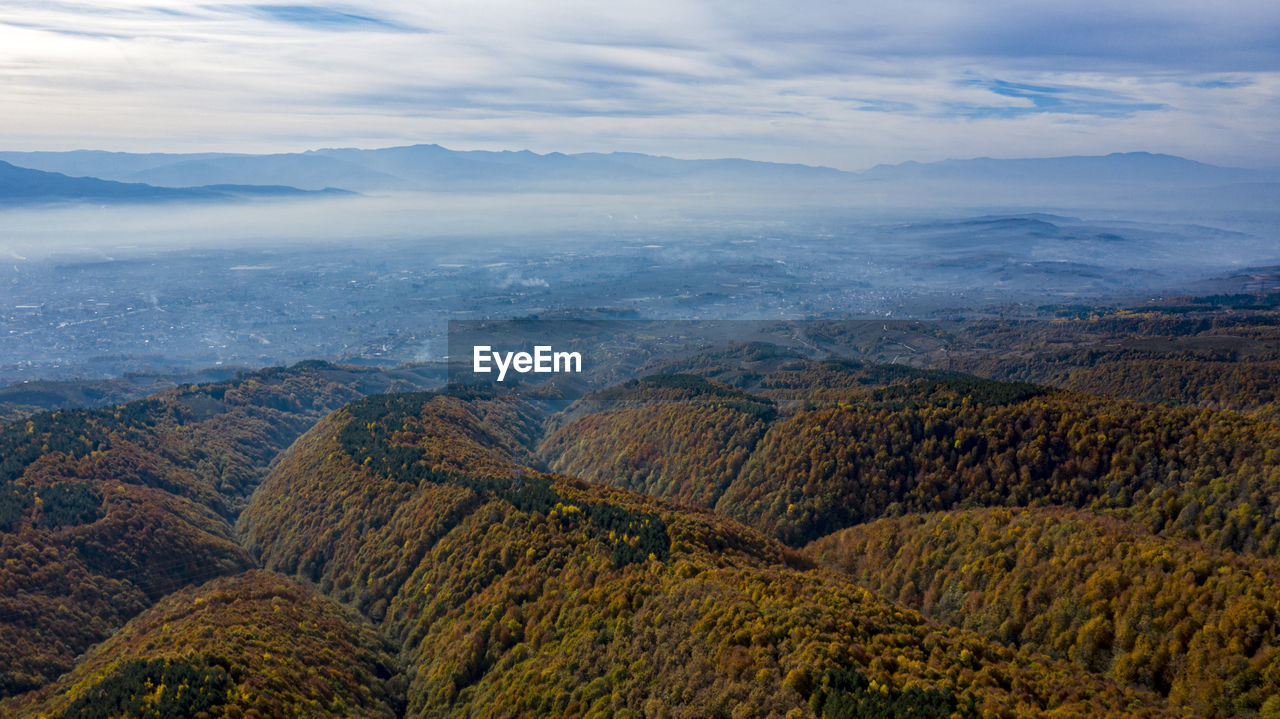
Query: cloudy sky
pixel 848 85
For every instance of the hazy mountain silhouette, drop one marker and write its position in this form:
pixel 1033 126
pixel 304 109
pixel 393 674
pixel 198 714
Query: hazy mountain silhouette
pixel 415 167
pixel 1122 167
pixel 21 185
pixel 1133 176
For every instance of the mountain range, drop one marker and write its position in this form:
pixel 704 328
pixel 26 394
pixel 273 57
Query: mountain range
pixel 435 168
pixel 20 185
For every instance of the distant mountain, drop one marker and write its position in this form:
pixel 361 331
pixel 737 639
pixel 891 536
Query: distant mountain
pixel 415 167
pixel 119 166
pixel 1119 177
pixel 20 185
pixel 1118 167
pixel 311 172
pixel 1122 179
pixel 418 167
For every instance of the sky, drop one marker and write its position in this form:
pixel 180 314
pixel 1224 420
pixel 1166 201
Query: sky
pixel 847 85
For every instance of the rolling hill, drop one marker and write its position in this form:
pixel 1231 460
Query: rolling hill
pixel 281 544
pixel 103 512
pixel 1196 624
pixel 252 644
pixel 511 591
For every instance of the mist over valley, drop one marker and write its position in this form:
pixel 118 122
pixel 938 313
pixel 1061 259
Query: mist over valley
pixel 97 285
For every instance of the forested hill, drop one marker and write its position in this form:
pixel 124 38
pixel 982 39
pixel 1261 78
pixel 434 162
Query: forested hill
pixel 251 644
pixel 877 442
pixel 1148 553
pixel 1199 625
pixel 510 591
pixel 104 511
pixel 983 548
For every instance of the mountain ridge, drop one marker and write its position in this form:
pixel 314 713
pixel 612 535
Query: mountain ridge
pixel 429 166
pixel 515 592
pixel 1122 166
pixel 23 185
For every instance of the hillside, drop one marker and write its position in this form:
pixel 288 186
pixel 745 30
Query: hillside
pixel 105 511
pixel 686 438
pixel 511 591
pixel 639 554
pixel 253 644
pixel 1220 351
pixel 1198 625
pixel 1170 573
pixel 27 398
pixel 910 441
pixel 860 461
pixel 678 437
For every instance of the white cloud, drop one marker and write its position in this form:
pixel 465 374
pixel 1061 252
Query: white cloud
pixel 848 86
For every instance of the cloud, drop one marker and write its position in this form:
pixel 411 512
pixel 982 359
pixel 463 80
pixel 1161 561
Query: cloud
pixel 1060 99
pixel 848 85
pixel 1220 83
pixel 325 18
pixel 871 104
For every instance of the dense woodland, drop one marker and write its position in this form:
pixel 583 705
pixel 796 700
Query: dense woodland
pixel 679 437
pixel 1085 524
pixel 511 597
pixel 251 645
pixel 931 444
pixel 1198 625
pixel 1228 358
pixel 105 511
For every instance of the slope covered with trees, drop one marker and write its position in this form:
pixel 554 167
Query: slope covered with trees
pixel 1159 520
pixel 678 437
pixel 890 440
pixel 105 511
pixel 1203 474
pixel 1198 625
pixel 1220 352
pixel 636 555
pixel 511 592
pixel 685 438
pixel 249 645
